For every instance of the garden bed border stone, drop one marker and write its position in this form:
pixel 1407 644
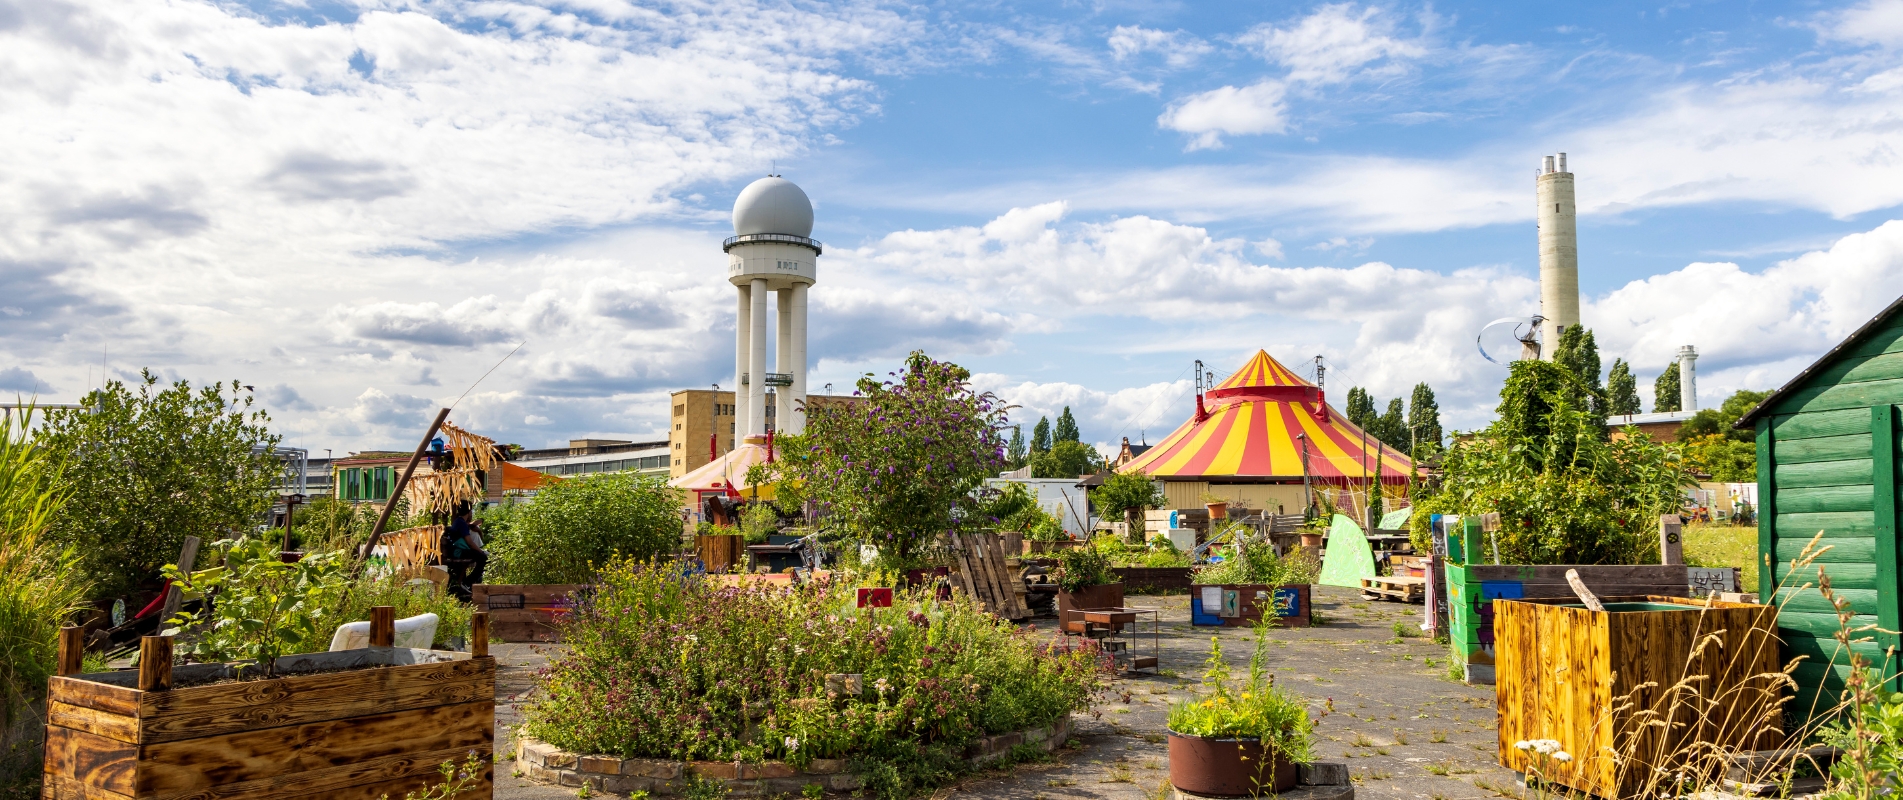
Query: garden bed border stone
pixel 545 763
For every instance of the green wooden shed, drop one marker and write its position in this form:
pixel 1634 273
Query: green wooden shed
pixel 1828 446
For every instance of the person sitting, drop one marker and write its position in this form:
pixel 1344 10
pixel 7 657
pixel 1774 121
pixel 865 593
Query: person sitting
pixel 463 553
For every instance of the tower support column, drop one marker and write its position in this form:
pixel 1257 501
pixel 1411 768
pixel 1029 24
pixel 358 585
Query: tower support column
pixel 756 360
pixel 783 359
pixel 743 340
pixel 795 420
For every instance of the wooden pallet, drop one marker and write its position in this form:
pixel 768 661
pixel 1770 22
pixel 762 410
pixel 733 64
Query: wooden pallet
pixel 983 573
pixel 1401 589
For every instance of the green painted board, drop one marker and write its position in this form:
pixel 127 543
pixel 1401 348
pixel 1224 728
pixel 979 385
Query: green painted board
pixel 1349 558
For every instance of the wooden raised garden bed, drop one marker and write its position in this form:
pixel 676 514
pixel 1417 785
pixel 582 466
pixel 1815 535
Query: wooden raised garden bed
pixel 340 726
pixel 1473 588
pixel 1154 579
pixel 1236 605
pixel 525 612
pixel 1572 675
pixel 1071 605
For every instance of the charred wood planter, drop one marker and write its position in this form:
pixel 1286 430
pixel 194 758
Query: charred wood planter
pixel 350 724
pixel 1071 605
pixel 528 612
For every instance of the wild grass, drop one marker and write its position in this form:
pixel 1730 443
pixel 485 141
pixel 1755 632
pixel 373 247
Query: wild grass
pixel 1710 545
pixel 40 590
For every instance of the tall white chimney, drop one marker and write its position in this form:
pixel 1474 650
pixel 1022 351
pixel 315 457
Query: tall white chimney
pixel 1688 378
pixel 1559 252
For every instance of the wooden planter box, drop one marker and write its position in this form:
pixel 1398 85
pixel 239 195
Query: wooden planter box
pixel 1286 606
pixel 526 612
pixel 340 726
pixel 721 553
pixel 1571 675
pixel 1154 579
pixel 1473 588
pixel 1071 605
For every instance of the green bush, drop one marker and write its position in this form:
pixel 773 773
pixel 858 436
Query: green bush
pixel 659 666
pixel 261 608
pixel 575 526
pixel 1082 568
pixel 148 468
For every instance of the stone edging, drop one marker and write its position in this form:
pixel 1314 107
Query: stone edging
pixel 545 763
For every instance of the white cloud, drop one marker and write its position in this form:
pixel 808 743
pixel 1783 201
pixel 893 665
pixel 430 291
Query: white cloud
pixel 1178 48
pixel 1870 22
pixel 1253 109
pixel 1335 43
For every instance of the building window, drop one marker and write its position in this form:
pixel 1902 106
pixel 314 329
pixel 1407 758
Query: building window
pixel 680 409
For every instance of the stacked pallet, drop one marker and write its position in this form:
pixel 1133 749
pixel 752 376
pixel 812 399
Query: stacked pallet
pixel 983 573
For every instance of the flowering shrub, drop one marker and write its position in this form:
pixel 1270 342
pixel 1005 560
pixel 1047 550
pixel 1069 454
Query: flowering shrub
pixel 1258 709
pixel 901 468
pixel 661 666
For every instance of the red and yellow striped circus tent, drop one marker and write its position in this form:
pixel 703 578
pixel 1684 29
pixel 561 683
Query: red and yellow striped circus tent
pixel 1246 429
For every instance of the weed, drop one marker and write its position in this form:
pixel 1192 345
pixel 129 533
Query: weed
pixel 1379 775
pixel 1438 737
pixel 1362 740
pixel 1437 768
pixel 1380 751
pixel 813 791
pixel 1503 791
pixel 1056 783
pixel 1395 640
pixel 1118 774
pixel 1402 630
pixel 701 787
pixel 584 792
pixel 1155 738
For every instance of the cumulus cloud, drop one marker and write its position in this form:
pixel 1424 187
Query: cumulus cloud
pixel 1870 22
pixel 1177 48
pixel 22 380
pixel 1253 109
pixel 1336 42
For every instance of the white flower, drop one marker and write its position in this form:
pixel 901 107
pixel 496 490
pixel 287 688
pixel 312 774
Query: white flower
pixel 792 744
pixel 1562 756
pixel 798 650
pixel 881 685
pixel 1522 745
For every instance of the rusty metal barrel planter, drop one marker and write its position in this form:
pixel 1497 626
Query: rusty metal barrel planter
pixel 1227 767
pixel 1577 676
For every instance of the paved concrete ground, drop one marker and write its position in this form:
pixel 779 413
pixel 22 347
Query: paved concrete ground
pixel 1403 728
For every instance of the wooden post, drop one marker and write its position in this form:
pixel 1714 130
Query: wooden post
pixel 1671 539
pixel 155 663
pixel 1767 515
pixel 187 558
pixel 383 626
pixel 402 482
pixel 1883 427
pixel 72 650
pixel 479 634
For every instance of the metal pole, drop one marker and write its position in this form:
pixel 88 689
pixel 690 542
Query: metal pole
pixel 402 482
pixel 1308 497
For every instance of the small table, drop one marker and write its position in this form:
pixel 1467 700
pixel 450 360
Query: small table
pixel 1107 625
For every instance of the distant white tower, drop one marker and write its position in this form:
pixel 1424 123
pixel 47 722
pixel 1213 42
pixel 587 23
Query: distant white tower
pixel 771 252
pixel 1688 378
pixel 1559 252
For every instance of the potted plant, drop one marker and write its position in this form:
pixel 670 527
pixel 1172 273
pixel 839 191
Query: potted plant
pixel 1251 582
pixel 1084 581
pixel 1045 533
pixel 1237 741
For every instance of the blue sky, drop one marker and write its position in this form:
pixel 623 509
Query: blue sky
pixel 359 207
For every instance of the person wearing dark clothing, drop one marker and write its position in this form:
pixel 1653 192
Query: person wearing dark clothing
pixel 463 553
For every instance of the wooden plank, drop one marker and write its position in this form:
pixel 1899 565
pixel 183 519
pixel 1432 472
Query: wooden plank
pixel 1851 472
pixel 60 787
pixel 256 760
pixel 1811 601
pixel 1768 511
pixel 1830 498
pixel 962 569
pixel 200 711
pixel 400 787
pixel 117 727
pixel 1819 624
pixel 1842 576
pixel 1883 429
pixel 1861 369
pixel 1013 587
pixel 1591 573
pixel 1833 524
pixel 1843 396
pixel 1819 424
pixel 1887 340
pixel 531 594
pixel 991 567
pixel 155 663
pixel 91 760
pixel 1860 551
pixel 1826 649
pixel 1827 448
pixel 90 694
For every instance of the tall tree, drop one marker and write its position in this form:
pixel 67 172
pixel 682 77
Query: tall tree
pixel 1423 419
pixel 1066 460
pixel 1041 437
pixel 1361 409
pixel 1578 352
pixel 1665 390
pixel 1392 426
pixel 1622 390
pixel 1066 430
pixel 1015 452
pixel 149 466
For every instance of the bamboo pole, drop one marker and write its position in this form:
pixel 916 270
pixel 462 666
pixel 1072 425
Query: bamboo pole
pixel 402 482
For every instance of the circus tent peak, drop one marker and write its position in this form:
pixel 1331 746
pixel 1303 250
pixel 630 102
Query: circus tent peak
pixel 1265 422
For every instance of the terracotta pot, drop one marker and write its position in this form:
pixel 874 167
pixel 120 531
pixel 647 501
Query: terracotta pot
pixel 1311 540
pixel 1226 767
pixel 1217 510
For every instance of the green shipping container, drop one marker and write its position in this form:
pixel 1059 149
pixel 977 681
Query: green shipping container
pixel 1828 446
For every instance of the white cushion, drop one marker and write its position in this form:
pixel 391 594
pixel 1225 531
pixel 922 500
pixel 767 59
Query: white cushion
pixel 417 632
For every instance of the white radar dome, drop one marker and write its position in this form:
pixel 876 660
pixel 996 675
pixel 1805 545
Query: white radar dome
pixel 773 205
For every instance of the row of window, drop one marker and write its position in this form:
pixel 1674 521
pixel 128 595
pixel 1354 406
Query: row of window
pixel 365 483
pixel 647 462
